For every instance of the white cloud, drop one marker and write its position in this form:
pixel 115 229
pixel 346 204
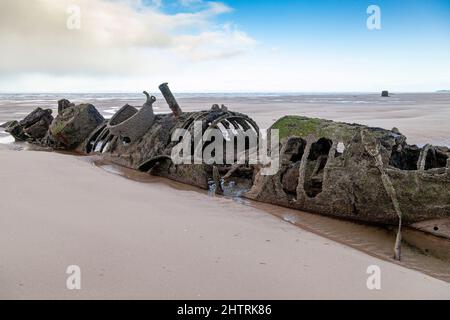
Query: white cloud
pixel 116 37
pixel 210 45
pixel 157 3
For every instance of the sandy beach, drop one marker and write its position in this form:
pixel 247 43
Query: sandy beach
pixel 150 241
pixel 155 241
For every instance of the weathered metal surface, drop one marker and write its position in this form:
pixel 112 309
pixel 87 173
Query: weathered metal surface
pixel 151 152
pixel 318 177
pixel 170 99
pixel 130 124
pixel 32 128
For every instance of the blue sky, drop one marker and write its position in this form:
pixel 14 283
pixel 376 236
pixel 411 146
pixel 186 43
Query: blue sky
pixel 237 45
pixel 414 34
pixel 341 25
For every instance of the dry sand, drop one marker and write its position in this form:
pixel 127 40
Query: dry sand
pixel 140 240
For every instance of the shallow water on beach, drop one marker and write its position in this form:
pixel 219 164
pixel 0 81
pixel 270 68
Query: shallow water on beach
pixel 6 138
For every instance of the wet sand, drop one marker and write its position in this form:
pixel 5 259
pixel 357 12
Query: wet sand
pixel 150 240
pixel 141 240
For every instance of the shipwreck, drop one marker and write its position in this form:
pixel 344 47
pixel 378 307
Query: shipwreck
pixel 337 169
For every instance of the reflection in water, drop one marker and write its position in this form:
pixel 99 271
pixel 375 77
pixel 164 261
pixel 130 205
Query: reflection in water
pixel 6 139
pixel 373 240
pixel 9 143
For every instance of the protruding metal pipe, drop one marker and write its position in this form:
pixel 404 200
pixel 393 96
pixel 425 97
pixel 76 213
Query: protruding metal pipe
pixel 171 101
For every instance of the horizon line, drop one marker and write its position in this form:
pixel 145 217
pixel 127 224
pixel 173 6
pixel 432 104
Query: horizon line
pixel 224 92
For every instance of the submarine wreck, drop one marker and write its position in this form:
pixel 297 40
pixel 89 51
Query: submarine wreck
pixel 349 171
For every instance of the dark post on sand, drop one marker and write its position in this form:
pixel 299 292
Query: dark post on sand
pixel 171 101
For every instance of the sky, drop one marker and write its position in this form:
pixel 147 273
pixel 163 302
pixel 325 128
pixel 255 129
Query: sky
pixel 224 46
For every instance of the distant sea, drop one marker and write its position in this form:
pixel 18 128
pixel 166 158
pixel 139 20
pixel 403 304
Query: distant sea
pixel 422 117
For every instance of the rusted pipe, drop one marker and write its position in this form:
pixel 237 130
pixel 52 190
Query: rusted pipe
pixel 171 101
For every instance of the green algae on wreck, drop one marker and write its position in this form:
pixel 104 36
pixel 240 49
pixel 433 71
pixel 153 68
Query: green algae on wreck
pixel 303 126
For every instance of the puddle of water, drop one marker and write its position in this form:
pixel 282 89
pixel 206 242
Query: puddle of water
pixel 8 142
pixel 111 169
pixel 373 240
pixel 6 139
